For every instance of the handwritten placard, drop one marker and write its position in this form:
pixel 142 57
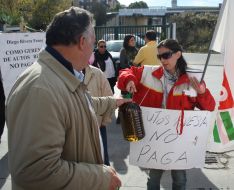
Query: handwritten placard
pixel 163 148
pixel 18 51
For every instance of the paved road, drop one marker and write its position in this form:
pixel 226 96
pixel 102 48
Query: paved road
pixel 134 178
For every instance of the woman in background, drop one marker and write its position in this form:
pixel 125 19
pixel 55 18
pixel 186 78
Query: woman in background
pixel 128 52
pixel 103 60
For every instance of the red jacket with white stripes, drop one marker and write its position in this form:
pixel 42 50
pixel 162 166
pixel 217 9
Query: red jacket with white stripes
pixel 148 81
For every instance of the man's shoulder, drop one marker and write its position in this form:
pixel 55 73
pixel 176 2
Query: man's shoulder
pixel 95 70
pixel 94 73
pixel 142 49
pixel 147 46
pixel 122 50
pixel 39 75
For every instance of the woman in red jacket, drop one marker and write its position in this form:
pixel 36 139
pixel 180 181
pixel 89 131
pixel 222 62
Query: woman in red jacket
pixel 164 87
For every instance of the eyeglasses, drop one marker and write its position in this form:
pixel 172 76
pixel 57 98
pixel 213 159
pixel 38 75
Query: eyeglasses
pixel 102 46
pixel 165 55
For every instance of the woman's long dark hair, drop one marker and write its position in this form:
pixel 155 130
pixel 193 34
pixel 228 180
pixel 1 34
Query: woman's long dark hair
pixel 173 45
pixel 126 40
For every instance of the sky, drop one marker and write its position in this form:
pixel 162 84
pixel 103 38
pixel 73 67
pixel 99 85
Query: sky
pixel 167 3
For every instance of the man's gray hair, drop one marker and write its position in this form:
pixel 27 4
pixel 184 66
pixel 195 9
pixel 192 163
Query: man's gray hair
pixel 68 26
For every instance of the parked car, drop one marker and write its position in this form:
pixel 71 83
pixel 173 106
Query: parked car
pixel 114 47
pixel 139 41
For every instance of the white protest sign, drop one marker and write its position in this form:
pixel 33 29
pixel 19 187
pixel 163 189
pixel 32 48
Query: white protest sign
pixel 163 148
pixel 18 51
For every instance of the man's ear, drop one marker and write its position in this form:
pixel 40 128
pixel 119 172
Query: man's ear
pixel 82 42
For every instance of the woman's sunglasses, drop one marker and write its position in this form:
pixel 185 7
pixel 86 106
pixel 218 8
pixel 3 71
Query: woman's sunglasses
pixel 102 46
pixel 165 55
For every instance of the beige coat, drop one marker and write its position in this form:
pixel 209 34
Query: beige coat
pixel 98 86
pixel 52 132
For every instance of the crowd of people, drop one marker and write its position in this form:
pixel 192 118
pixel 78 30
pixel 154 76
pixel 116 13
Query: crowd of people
pixel 58 109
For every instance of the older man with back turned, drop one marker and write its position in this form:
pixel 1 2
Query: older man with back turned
pixel 54 140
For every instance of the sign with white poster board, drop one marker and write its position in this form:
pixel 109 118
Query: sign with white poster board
pixel 18 51
pixel 163 148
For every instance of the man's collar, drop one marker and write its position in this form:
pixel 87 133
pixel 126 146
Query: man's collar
pixel 79 75
pixel 151 42
pixel 68 77
pixel 60 58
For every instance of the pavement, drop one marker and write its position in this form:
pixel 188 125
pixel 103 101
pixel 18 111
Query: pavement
pixel 218 172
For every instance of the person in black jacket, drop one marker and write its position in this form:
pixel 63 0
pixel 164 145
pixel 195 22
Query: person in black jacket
pixel 2 107
pixel 128 52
